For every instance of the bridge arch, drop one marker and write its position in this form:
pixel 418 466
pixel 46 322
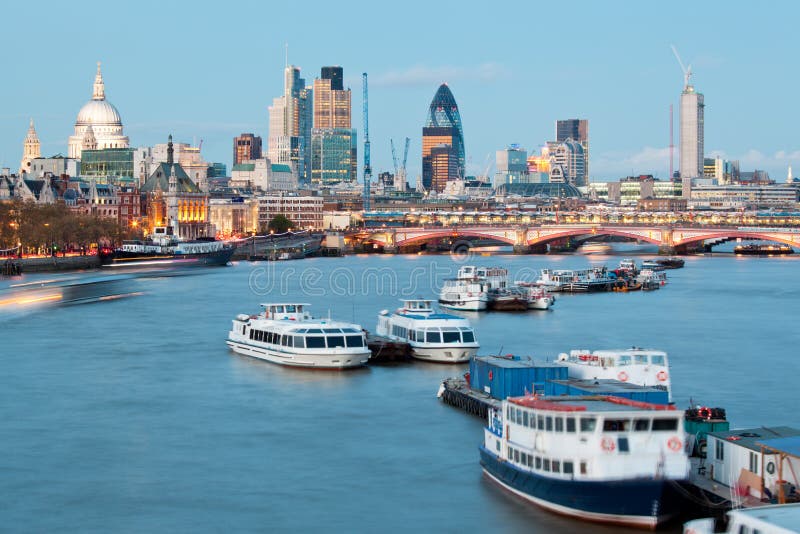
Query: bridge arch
pixel 461 233
pixel 791 239
pixel 654 237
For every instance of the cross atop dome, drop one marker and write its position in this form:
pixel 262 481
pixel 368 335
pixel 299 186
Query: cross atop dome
pixel 99 92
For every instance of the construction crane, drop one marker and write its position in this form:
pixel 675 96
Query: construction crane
pixel 367 166
pixel 687 71
pixel 394 156
pixel 400 169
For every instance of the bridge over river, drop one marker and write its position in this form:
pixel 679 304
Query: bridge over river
pixel 535 238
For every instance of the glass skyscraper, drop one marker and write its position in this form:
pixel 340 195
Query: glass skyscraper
pixel 443 121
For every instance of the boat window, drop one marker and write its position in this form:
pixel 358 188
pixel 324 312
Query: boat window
pixel 433 337
pixel 412 335
pixel 355 341
pixel 641 425
pixel 622 443
pixel 314 330
pixel 335 341
pixel 559 424
pixel 665 424
pixel 468 336
pixel 556 466
pixel 332 330
pixel 524 418
pixel 538 462
pixel 315 342
pixel 540 422
pixel 624 360
pixel 657 359
pixel 299 342
pixel 588 424
pixel 279 309
pixel 288 341
pixel 516 455
pixel 291 308
pixel 568 468
pixel 260 335
pixel 546 464
pixel 570 424
pixel 252 334
pixel 616 425
pixel 349 330
pixel 451 337
pixel 548 422
pixel 640 359
pixel 244 329
pixel 584 470
pixel 420 335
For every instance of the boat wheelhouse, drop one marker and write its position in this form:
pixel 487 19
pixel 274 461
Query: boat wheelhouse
pixel 597 458
pixel 285 333
pixel 643 367
pixel 436 337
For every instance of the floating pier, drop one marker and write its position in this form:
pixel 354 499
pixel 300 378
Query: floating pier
pixel 456 392
pixel 387 350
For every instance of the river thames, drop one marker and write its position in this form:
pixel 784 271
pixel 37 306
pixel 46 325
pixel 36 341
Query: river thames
pixel 132 415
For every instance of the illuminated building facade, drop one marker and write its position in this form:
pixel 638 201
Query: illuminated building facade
pixel 333 142
pixel 443 120
pixel 246 146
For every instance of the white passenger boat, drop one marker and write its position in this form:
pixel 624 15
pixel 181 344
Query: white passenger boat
pixel 285 333
pixel 538 297
pixel 651 279
pixel 436 337
pixel 643 367
pixel 774 519
pixel 464 294
pixel 596 458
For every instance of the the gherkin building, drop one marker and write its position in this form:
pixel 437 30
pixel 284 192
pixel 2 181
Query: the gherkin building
pixel 443 113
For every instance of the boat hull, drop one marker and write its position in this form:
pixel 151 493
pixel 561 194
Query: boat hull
pixel 508 304
pixel 444 354
pixel 542 303
pixel 292 359
pixel 643 503
pixel 463 305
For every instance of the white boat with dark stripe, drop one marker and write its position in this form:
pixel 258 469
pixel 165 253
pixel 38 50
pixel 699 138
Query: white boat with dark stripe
pixel 286 334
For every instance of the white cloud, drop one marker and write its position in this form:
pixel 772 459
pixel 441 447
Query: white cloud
pixel 427 75
pixel 613 165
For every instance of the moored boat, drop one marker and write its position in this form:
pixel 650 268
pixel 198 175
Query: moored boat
pixel 436 337
pixel 762 250
pixel 577 281
pixel 285 333
pixel 643 367
pixel 464 294
pixel 164 248
pixel 671 263
pixel 596 458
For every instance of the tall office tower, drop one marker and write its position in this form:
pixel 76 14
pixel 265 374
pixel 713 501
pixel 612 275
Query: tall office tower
pixel 577 130
pixel 246 146
pixel 443 120
pixel 443 166
pixel 333 141
pixel 512 166
pixel 437 137
pixel 289 124
pixel 567 162
pixel 692 132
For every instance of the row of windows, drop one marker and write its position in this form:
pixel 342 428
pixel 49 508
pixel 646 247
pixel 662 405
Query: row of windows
pixel 568 423
pixel 542 463
pixel 308 342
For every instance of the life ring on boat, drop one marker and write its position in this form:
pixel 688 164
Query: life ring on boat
pixel 662 376
pixel 490 374
pixel 674 444
pixel 469 294
pixel 608 445
pixel 622 376
pixel 771 468
pixel 583 357
pixel 704 412
pixel 702 447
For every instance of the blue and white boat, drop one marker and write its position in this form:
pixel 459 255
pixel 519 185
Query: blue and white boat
pixel 285 333
pixel 597 458
pixel 435 337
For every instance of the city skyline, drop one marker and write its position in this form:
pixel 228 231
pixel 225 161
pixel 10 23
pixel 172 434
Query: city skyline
pixel 623 86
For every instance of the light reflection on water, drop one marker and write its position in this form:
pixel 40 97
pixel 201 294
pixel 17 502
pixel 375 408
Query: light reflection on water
pixel 132 415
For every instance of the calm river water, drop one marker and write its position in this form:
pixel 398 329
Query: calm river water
pixel 132 416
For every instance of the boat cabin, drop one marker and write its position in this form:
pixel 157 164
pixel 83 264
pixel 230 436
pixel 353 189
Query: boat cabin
pixel 417 306
pixel 286 312
pixel 613 358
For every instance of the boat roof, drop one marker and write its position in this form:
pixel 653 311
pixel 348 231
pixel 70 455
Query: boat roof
pixel 789 445
pixel 588 403
pixel 614 352
pixel 751 438
pixel 432 316
pixel 602 386
pixel 516 362
pixel 268 304
pixel 786 516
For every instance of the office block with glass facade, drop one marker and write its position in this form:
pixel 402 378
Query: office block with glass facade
pixel 333 155
pixel 109 165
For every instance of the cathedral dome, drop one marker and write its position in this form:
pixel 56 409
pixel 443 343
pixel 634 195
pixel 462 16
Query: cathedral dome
pixel 98 112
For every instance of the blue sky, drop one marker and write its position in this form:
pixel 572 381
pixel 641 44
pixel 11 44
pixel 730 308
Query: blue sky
pixel 209 70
